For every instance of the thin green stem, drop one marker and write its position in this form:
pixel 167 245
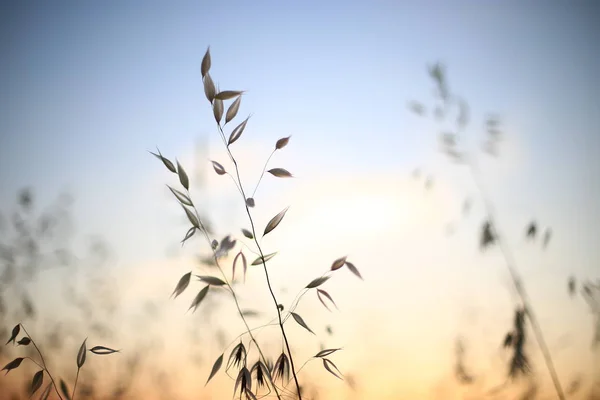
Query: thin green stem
pixel 43 361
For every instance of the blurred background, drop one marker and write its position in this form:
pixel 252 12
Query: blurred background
pixel 410 123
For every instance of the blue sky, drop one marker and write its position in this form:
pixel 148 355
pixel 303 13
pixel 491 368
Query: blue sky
pixel 87 88
pixel 96 82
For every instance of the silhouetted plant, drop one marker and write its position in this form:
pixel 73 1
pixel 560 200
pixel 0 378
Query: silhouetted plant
pixel 519 364
pixel 262 371
pixel 451 143
pixel 38 378
pixel 34 241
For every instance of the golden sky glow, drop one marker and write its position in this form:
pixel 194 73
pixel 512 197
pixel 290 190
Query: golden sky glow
pixel 88 89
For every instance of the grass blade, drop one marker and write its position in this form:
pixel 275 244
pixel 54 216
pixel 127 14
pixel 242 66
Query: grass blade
pixel 182 284
pixel 275 221
pixel 233 110
pixel 353 269
pixel 339 263
pixel 328 364
pixel 211 280
pixel 199 297
pixel 280 173
pixel 281 143
pixel 216 367
pixel 317 282
pixel 183 178
pixel 267 257
pixel 181 197
pixel 205 63
pixel 102 350
pixel 301 322
pixel 37 381
pixel 81 354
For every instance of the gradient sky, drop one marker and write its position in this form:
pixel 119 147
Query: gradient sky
pixel 87 88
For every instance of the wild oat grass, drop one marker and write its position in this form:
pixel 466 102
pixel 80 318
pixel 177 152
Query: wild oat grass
pixel 38 378
pixel 38 243
pixel 269 375
pixel 449 105
pixel 256 377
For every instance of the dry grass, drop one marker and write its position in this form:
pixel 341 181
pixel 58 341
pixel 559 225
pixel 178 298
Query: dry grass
pixel 261 376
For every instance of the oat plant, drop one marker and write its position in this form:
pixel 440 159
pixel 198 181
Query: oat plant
pixel 452 110
pixel 258 377
pixel 61 389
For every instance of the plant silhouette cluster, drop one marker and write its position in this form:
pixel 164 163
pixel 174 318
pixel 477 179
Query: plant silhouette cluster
pixel 38 378
pixel 448 105
pixel 257 377
pixel 37 240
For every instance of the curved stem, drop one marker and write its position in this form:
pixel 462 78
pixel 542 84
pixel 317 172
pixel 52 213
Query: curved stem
pixel 230 288
pixel 299 296
pixel 35 362
pixel 303 365
pixel 234 182
pixel 257 328
pixel 43 361
pixel 287 345
pixel 249 249
pixel 262 173
pixel 295 302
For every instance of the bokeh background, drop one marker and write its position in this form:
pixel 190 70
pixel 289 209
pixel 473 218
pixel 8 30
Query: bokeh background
pixel 91 235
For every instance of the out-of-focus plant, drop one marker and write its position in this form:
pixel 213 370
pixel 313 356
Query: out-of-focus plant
pixel 38 378
pixel 30 244
pixel 34 243
pixel 252 376
pixel 452 110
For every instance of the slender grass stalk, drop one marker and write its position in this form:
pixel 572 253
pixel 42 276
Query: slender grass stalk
pixel 256 328
pixel 238 356
pixel 35 362
pixel 264 263
pixel 75 384
pixel 437 73
pixel 299 297
pixel 516 279
pixel 43 361
pixel 263 172
pixel 38 378
pixel 234 296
